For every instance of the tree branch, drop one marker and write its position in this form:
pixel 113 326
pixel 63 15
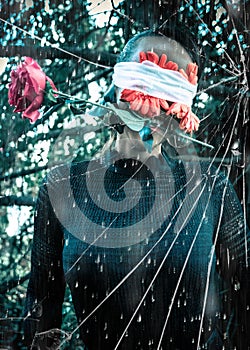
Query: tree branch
pixel 22 173
pixel 17 200
pixel 6 286
pixel 97 57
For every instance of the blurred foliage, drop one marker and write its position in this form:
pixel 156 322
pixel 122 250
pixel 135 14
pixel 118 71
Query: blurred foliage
pixel 57 34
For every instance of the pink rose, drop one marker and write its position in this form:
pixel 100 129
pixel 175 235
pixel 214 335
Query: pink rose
pixel 27 87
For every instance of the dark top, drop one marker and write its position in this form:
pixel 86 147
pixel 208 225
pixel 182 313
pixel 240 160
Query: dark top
pixel 152 257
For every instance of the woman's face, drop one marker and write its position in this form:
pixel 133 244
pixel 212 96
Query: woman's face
pixel 174 51
pixel 171 48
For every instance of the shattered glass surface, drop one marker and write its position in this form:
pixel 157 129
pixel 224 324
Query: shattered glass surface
pixel 153 214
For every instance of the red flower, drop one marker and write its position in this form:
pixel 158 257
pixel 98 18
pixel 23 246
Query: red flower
pixel 145 104
pixel 150 106
pixel 191 73
pixel 189 121
pixel 178 109
pixel 27 87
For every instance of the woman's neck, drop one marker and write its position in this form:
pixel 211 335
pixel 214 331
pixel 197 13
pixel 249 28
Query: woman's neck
pixel 130 145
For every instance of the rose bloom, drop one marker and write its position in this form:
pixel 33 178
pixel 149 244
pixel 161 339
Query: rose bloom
pixel 27 88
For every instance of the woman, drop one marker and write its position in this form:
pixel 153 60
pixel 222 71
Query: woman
pixel 152 247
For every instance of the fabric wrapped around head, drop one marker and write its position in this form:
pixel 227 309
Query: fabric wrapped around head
pixel 149 78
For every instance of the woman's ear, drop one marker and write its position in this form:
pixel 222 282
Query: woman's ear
pixel 110 95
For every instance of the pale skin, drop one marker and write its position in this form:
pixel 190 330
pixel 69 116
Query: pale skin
pixel 129 142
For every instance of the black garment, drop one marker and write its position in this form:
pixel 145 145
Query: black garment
pixel 169 284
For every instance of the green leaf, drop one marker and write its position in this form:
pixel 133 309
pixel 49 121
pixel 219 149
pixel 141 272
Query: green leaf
pixel 49 95
pixel 131 119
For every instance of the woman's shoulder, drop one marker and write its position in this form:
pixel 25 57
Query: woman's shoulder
pixel 63 172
